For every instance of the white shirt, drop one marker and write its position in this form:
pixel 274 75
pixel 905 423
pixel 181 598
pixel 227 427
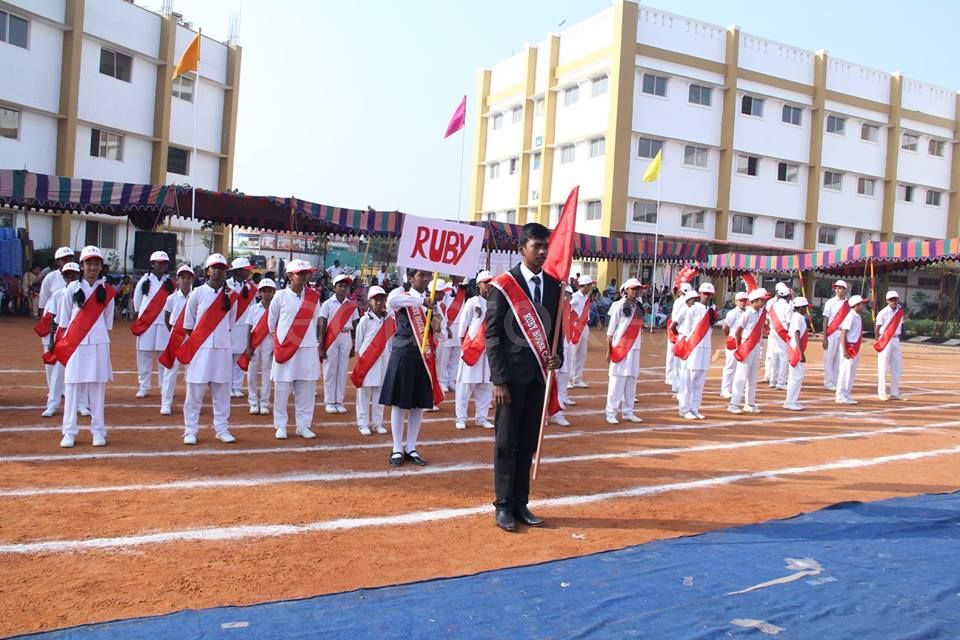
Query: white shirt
pixel 329 309
pixel 176 302
pixel 471 316
pixel 284 308
pixel 883 319
pixel 140 301
pixel 678 312
pixel 367 329
pixel 528 279
pixel 699 358
pixel 798 323
pixel 68 311
pixel 854 326
pixel 334 271
pixel 732 318
pixel 832 306
pixel 381 277
pixel 618 323
pixel 197 304
pixel 51 283
pixel 578 300
pixel 748 322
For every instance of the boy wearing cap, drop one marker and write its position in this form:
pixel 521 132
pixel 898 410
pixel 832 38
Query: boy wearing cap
pixel 696 350
pixel 259 353
pixel 70 273
pixel 730 345
pixel 580 304
pixel 851 337
pixel 796 354
pixel 173 318
pixel 246 292
pixel 748 335
pixel 835 311
pixel 149 298
pixel 338 317
pixel 373 352
pixel 444 333
pixel 889 354
pixel 624 335
pixel 677 313
pixel 473 372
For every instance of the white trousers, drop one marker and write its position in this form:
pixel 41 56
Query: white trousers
pixel 691 393
pixel 776 364
pixel 304 401
pixel 55 384
pixel 236 374
pixel 482 393
pixel 580 357
pixel 795 383
pixel 668 372
pixel 846 377
pixel 219 394
pixel 729 371
pixel 831 360
pixel 369 409
pixel 448 357
pixel 563 379
pixel 335 372
pixel 168 383
pixel 258 378
pixel 145 360
pixel 73 394
pixel 745 381
pixel 621 395
pixel 890 358
pixel 676 373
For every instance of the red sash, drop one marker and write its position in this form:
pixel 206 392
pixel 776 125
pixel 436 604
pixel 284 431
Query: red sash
pixel 747 346
pixel 456 304
pixel 50 357
pixel 42 328
pixel 211 319
pixel 177 336
pixel 795 355
pixel 685 346
pixel 578 323
pixel 374 350
pixel 671 336
pixel 243 303
pixel 257 336
pixel 337 323
pixel 838 318
pixel 778 327
pixel 731 343
pixel 283 351
pixel 418 322
pixel 625 344
pixel 889 331
pixel 78 329
pixel 531 326
pixel 853 348
pixel 473 347
pixel 149 315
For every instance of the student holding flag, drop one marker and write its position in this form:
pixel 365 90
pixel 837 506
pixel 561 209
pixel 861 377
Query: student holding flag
pixel 851 337
pixel 257 360
pixel 374 331
pixel 173 318
pixel 473 370
pixel 338 317
pixel 624 335
pixel 796 353
pixel 748 335
pixel 888 327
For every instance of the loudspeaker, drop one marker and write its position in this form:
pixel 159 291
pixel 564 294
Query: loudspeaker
pixel 146 242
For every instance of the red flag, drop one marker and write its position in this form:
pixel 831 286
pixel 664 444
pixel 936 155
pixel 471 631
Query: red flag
pixel 458 119
pixel 561 241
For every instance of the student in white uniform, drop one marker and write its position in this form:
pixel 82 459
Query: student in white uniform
pixel 336 358
pixel 88 369
pixel 246 291
pixel 797 330
pixel 782 308
pixel 831 343
pixel 371 326
pixel 729 327
pixel 563 373
pixel 474 379
pixel 51 283
pixel 261 357
pixel 695 366
pixel 299 373
pixel 622 388
pixel 749 329
pixel 578 301
pixel 889 356
pixel 445 333
pixel 153 340
pixel 851 337
pixel 212 363
pixel 673 377
pixel 449 349
pixel 70 273
pixel 172 311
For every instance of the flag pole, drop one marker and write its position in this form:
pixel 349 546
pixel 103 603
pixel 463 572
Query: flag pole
pixel 656 242
pixel 551 374
pixel 463 143
pixel 426 327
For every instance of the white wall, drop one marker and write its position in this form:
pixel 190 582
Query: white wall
pixel 678 33
pixel 857 80
pixel 769 135
pixel 125 24
pixel 130 104
pixel 776 59
pixel 847 208
pixel 52 9
pixel 135 166
pixel 670 218
pixel 209 119
pixel 764 194
pixel 694 186
pixel 32 76
pixel 917 220
pixel 586 37
pixel 204 172
pixel 36 149
pixel 673 116
pixel 213 62
pixel 848 152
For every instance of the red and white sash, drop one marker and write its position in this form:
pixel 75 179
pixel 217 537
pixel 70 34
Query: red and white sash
pixel 838 318
pixel 44 325
pixel 474 346
pixel 260 332
pixel 418 322
pixel 778 327
pixel 208 323
pixel 50 357
pixel 579 322
pixel 853 348
pixel 177 335
pixel 243 303
pixel 685 345
pixel 374 350
pixel 153 309
pixel 531 326
pixel 337 323
pixel 456 304
pixel 283 351
pixel 795 355
pixel 889 331
pixel 629 337
pixel 747 346
pixel 82 323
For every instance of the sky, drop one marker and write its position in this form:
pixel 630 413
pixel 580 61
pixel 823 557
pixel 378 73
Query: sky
pixel 345 103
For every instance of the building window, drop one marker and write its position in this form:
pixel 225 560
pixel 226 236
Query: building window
pixel 101 235
pixel 13 29
pixel 833 180
pixel 742 224
pixel 700 94
pixel 178 161
pixel 494 170
pixel 7 220
pixel 787 172
pixel 866 186
pixel 598 147
pixel 539 106
pixel 598 86
pixel 836 124
pixel 905 192
pixel 869 132
pixel 792 114
pixel 785 229
pixel 909 141
pixel 183 88
pixel 115 64
pixel 695 156
pixel 750 106
pixel 648 147
pixel 510 216
pixel 748 165
pixel 901 239
pixel 536 161
pixel 827 235
pixel 568 154
pixel 594 210
pixel 571 95
pixel 935 148
pixel 860 237
pixel 654 85
pixel 9 123
pixel 513 166
pixel 517 114
pixel 693 219
pixel 928 282
pixel 645 211
pixel 497 121
pixel 933 197
pixel 104 144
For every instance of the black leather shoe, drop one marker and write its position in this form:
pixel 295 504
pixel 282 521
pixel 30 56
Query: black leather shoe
pixel 525 516
pixel 505 520
pixel 415 458
pixel 396 458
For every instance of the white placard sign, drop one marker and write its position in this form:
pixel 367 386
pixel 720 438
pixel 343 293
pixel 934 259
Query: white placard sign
pixel 431 244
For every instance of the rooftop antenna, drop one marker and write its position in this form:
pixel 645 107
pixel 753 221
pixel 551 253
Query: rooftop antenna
pixel 233 29
pixel 167 8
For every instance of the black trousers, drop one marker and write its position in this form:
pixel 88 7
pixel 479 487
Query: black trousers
pixel 518 428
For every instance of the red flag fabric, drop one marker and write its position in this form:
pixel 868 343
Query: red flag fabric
pixel 561 241
pixel 458 119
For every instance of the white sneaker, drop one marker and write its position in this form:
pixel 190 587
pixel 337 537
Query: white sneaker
pixel 735 410
pixel 99 440
pixel 700 416
pixel 633 418
pixel 751 409
pixel 141 393
pixel 830 387
pixel 330 408
pixel 689 416
pixel 264 410
pixel 895 397
pixel 365 431
pixel 166 411
pixel 726 395
pixel 189 438
pixel 612 420
pixel 884 398
pixel 226 436
pixel 781 387
pixel 793 407
pixel 380 429
pixel 486 424
pixel 341 408
pixel 254 410
pixel 581 385
pixel 570 385
pixel 847 401
pixel 67 441
pixel 237 394
pixel 433 410
pixel 48 413
pixel 571 402
pixel 460 425
pixel 560 421
pixel 281 433
pixel 85 413
pixel 306 433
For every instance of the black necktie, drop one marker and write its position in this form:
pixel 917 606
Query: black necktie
pixel 536 289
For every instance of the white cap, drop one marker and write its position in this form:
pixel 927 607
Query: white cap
pixel 340 278
pixel 568 289
pixel 185 268
pixel 240 263
pixel 630 283
pixel 447 286
pixel 855 300
pixel 63 252
pixel 266 283
pixel 800 301
pixel 484 276
pixel 216 260
pixel 892 294
pixel 757 294
pixel 782 289
pixel 376 291
pixel 90 251
pixel 70 266
pixel 297 265
pixel 584 280
pixel 685 287
pixel 707 287
pixel 841 283
pixel 440 285
pixel 691 295
pixel 742 295
pixel 159 256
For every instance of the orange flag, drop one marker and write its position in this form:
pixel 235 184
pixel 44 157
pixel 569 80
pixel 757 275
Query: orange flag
pixel 190 60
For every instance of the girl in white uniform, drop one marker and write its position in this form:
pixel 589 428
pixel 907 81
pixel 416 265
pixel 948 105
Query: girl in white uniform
pixel 672 367
pixel 175 305
pixel 694 368
pixel 831 343
pixel 622 388
pixel 70 273
pixel 797 330
pixel 261 358
pixel 578 301
pixel 336 359
pixel 449 349
pixel 890 357
pixel 152 342
pixel 245 289
pixel 474 380
pixel 369 409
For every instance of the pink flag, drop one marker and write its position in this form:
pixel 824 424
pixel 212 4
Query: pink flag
pixel 458 119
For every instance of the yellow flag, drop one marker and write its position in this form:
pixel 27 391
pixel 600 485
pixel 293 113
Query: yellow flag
pixel 190 59
pixel 653 171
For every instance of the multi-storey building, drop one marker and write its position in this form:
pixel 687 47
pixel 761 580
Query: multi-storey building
pixel 765 146
pixel 86 92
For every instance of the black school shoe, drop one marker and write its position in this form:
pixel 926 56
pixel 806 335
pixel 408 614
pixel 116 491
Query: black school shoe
pixel 396 458
pixel 415 458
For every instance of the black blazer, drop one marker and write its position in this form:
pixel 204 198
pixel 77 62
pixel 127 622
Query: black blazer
pixel 512 361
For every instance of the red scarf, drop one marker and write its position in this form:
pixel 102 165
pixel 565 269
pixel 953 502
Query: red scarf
pixel 531 326
pixel 747 346
pixel 337 323
pixel 473 347
pixel 243 303
pixel 889 331
pixel 43 327
pixel 257 336
pixel 794 356
pixel 50 357
pixel 629 337
pixel 283 351
pixel 211 319
pixel 838 318
pixel 177 336
pixel 78 329
pixel 578 323
pixel 374 350
pixel 418 322
pixel 778 327
pixel 686 345
pixel 153 309
pixel 454 309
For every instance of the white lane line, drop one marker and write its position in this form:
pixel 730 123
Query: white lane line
pixel 690 426
pixel 296 478
pixel 217 534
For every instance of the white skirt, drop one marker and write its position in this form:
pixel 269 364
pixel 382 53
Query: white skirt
pixel 304 365
pixel 210 365
pixel 89 363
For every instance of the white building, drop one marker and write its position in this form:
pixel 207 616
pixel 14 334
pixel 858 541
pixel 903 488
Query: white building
pixel 765 146
pixel 86 93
